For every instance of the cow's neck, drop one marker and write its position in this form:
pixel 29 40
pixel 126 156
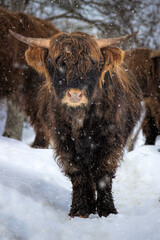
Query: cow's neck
pixel 78 121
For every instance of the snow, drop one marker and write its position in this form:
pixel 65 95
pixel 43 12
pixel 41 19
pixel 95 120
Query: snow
pixel 36 197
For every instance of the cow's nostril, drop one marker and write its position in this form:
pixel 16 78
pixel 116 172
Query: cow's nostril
pixel 81 94
pixel 69 94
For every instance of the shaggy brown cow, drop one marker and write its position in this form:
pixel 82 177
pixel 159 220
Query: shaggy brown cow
pixel 19 82
pixel 145 64
pixel 89 106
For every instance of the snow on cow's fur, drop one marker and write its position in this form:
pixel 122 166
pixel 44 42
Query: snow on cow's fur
pixel 89 105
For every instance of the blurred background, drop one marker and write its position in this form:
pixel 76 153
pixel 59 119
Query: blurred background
pixel 103 18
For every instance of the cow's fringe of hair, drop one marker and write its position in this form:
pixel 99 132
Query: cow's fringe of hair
pixel 83 56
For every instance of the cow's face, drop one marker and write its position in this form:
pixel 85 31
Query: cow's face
pixel 73 64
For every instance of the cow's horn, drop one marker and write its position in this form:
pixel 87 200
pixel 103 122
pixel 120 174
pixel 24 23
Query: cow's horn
pixel 40 42
pixel 102 43
pixel 155 53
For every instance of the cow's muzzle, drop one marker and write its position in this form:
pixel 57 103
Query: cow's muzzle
pixel 75 97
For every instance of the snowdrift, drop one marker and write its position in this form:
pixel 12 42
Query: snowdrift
pixel 36 196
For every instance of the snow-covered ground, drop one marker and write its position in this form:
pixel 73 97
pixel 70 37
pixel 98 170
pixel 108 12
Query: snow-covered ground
pixel 35 197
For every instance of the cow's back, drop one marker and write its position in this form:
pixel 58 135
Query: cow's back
pixel 145 68
pixel 147 71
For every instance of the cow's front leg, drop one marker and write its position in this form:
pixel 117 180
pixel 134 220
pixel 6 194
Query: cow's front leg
pixel 105 203
pixel 83 196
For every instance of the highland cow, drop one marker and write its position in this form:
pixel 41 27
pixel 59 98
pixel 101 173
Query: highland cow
pixel 19 82
pixel 145 65
pixel 89 105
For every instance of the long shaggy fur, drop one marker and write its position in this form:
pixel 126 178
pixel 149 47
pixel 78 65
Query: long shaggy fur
pixel 147 71
pixel 88 139
pixel 19 82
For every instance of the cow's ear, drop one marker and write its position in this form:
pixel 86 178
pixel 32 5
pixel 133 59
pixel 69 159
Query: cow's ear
pixel 112 57
pixel 35 57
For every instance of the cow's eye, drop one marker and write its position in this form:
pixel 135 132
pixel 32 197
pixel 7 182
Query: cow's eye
pixel 92 61
pixel 60 62
pixel 56 59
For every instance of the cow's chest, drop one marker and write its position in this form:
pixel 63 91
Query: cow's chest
pixel 87 137
pixel 82 136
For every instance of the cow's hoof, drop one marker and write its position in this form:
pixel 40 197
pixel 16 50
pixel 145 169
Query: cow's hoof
pixel 41 146
pixel 105 213
pixel 78 213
